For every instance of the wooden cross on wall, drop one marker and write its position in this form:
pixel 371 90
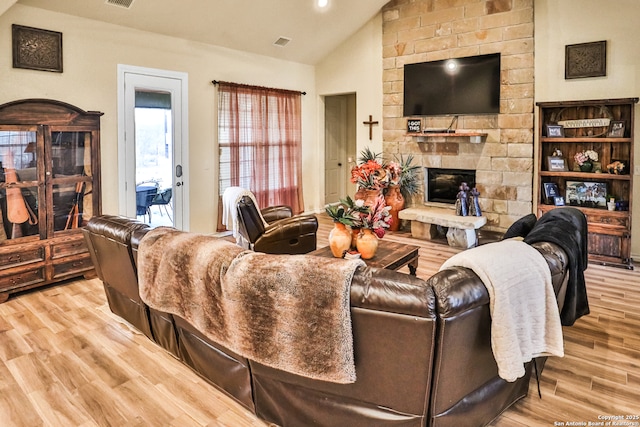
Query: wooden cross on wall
pixel 370 123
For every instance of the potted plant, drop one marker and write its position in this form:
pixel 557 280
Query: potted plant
pixel 344 214
pixel 409 181
pixel 373 224
pixel 403 184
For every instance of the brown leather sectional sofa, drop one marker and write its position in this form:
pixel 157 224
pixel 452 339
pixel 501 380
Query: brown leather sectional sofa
pixel 422 347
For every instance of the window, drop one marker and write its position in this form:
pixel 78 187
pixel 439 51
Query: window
pixel 260 139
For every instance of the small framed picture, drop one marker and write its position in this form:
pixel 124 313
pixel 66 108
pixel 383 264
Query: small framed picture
pixel 558 201
pixel 550 191
pixel 414 125
pixel 556 164
pixel 554 131
pixel 586 194
pixel 617 129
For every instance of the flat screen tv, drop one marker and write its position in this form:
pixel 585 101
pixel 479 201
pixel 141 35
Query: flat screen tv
pixel 456 86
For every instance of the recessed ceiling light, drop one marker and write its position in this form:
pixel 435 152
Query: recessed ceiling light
pixel 323 3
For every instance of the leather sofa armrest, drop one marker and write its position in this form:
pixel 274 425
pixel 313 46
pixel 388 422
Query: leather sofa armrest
pixel 458 290
pixel 385 290
pixel 289 227
pixel 275 213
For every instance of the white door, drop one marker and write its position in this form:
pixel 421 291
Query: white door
pixel 136 79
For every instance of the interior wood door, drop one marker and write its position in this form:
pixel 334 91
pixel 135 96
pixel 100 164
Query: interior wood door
pixel 335 162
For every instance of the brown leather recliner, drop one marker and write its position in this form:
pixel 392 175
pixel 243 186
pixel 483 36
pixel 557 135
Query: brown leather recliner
pixel 284 234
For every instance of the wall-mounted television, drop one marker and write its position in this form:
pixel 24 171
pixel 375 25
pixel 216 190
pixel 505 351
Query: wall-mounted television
pixel 456 86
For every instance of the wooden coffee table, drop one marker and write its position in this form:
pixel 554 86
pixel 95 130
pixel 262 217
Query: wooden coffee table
pixel 390 255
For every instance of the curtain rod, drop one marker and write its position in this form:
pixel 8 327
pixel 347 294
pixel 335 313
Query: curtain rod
pixel 215 82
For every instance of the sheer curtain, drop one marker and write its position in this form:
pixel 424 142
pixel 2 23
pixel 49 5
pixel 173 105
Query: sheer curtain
pixel 260 138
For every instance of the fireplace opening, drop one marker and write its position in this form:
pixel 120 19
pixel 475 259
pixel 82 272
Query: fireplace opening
pixel 442 185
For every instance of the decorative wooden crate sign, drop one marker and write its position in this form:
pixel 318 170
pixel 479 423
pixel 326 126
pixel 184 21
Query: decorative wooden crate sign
pixel 584 123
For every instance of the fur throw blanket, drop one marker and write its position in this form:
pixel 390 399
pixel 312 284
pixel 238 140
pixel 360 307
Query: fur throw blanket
pixel 287 312
pixel 525 322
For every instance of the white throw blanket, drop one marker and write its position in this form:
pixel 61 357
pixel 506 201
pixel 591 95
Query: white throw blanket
pixel 230 199
pixel 525 322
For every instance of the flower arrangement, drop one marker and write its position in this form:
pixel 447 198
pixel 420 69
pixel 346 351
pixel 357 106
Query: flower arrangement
pixel 356 214
pixel 376 217
pixel 585 156
pixel 347 211
pixel 370 175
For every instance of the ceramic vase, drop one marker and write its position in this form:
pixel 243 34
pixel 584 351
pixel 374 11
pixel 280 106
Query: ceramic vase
pixel 355 231
pixel 369 196
pixel 367 243
pixel 394 199
pixel 586 167
pixel 339 239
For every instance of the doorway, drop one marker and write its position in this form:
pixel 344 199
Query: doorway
pixel 153 145
pixel 339 145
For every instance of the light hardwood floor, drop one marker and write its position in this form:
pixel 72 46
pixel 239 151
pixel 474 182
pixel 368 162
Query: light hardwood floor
pixel 67 361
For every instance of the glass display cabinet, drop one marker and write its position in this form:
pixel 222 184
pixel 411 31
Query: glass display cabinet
pixel 49 189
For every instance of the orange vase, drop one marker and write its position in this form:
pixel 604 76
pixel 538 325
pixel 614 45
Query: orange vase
pixel 369 196
pixel 339 239
pixel 367 243
pixel 354 237
pixel 394 199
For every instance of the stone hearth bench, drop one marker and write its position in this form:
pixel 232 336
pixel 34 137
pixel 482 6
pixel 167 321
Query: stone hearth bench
pixel 462 229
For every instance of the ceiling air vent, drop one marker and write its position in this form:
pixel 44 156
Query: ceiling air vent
pixel 120 3
pixel 282 41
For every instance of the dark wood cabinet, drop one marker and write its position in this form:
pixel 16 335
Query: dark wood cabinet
pixel 604 191
pixel 49 188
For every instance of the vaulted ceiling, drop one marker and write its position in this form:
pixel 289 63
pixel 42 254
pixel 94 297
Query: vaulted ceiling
pixel 247 25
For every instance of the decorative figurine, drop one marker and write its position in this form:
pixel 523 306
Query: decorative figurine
pixel 462 200
pixel 474 203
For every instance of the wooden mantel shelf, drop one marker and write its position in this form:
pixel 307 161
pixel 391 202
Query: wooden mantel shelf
pixel 474 137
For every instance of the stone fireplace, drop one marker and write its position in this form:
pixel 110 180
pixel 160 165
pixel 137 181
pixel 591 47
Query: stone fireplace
pixel 426 30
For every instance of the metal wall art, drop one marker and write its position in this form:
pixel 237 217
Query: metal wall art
pixel 585 60
pixel 37 49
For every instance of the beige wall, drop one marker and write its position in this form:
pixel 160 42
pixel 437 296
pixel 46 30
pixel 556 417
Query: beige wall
pixel 355 67
pixel 559 23
pixel 92 51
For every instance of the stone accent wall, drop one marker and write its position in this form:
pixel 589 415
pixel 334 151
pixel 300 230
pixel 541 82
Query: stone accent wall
pixel 428 30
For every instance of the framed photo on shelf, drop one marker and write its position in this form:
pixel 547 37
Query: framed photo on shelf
pixel 414 126
pixel 554 131
pixel 550 192
pixel 586 194
pixel 558 201
pixel 556 164
pixel 617 129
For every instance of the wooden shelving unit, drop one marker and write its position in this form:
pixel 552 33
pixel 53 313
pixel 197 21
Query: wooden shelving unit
pixel 474 137
pixel 609 231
